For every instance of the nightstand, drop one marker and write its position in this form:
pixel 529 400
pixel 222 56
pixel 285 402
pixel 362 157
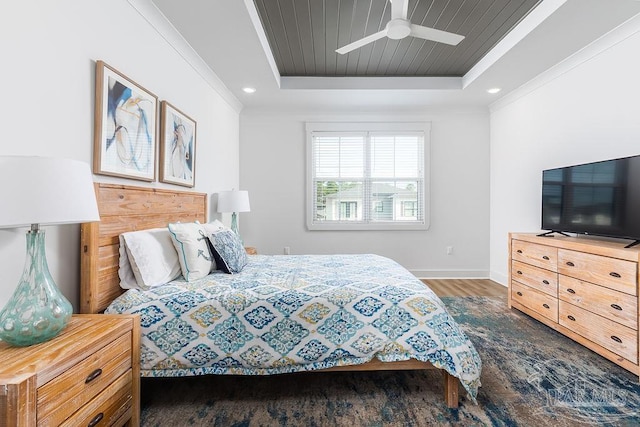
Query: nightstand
pixel 87 375
pixel 251 250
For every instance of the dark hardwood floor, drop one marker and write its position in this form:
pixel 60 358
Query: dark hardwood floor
pixel 465 287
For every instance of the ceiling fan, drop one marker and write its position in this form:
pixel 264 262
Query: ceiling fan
pixel 400 27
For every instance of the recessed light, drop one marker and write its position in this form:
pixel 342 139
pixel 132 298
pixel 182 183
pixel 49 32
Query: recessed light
pixel 249 89
pixel 494 90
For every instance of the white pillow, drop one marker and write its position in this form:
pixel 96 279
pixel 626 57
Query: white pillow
pixel 213 227
pixel 152 256
pixel 125 272
pixel 191 242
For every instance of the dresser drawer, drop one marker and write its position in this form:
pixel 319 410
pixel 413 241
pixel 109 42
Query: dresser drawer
pixel 614 305
pixel 612 273
pixel 538 278
pixel 607 333
pixel 539 255
pixel 62 396
pixel 541 303
pixel 112 407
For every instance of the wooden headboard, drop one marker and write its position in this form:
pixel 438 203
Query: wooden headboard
pixel 126 208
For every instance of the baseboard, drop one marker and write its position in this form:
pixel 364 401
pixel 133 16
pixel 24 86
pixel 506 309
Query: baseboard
pixel 499 278
pixel 450 274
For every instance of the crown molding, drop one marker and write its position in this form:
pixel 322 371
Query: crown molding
pixel 168 32
pixel 619 34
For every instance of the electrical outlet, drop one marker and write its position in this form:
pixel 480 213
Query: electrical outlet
pixel 449 250
pixel 287 250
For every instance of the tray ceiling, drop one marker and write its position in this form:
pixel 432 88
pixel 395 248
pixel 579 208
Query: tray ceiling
pixel 226 38
pixel 303 35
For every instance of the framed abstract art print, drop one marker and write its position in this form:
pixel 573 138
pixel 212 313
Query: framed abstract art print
pixel 177 146
pixel 125 126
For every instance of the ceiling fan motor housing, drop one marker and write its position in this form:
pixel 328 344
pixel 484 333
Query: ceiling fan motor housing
pixel 398 28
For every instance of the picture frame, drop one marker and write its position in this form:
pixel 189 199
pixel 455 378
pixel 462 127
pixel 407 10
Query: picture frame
pixel 125 126
pixel 177 146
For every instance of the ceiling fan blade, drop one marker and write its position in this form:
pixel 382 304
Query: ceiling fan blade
pixel 363 41
pixel 399 9
pixel 439 36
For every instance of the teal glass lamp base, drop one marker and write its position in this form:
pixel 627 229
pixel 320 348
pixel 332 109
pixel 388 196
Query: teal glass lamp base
pixel 37 311
pixel 234 226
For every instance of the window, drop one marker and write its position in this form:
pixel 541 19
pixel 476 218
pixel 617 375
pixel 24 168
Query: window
pixel 410 209
pixel 348 210
pixel 367 176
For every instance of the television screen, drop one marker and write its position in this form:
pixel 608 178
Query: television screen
pixel 601 198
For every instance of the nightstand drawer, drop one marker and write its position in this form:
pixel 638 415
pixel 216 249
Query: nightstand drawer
pixel 61 397
pixel 112 407
pixel 88 372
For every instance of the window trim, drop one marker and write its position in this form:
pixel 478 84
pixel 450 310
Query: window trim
pixel 424 127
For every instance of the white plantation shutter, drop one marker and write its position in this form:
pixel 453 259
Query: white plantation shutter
pixel 367 179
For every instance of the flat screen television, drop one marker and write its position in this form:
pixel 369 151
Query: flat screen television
pixel 600 198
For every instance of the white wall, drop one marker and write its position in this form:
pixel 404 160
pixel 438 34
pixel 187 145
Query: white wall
pixel 584 110
pixel 49 49
pixel 273 159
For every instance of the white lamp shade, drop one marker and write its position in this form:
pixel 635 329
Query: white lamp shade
pixel 233 201
pixel 43 190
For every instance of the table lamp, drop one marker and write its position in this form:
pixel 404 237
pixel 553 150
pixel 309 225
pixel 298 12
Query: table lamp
pixel 38 191
pixel 234 201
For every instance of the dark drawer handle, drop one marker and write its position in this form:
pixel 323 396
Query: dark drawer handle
pixel 616 339
pixel 546 282
pixel 545 305
pixel 519 293
pixel 571 291
pixel 519 251
pixel 570 317
pixel 519 272
pixel 614 274
pixel 616 306
pixel 545 258
pixel 570 264
pixel 94 422
pixel 93 375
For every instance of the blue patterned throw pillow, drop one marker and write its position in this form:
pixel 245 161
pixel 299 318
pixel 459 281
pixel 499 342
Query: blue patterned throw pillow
pixel 228 251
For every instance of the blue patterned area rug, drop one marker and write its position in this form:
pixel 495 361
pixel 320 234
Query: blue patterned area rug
pixel 532 376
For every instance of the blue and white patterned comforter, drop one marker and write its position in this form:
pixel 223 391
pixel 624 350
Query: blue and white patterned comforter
pixel 297 313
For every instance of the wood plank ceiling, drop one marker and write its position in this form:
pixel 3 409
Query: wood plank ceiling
pixel 303 35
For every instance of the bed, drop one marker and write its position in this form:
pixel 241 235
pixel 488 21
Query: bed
pixel 280 314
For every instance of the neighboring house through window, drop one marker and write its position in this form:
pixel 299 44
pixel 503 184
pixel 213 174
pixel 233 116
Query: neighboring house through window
pixel 367 176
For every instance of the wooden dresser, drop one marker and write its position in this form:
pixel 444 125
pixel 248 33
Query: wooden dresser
pixel 586 289
pixel 88 375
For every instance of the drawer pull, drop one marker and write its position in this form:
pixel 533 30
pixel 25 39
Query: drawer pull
pixel 570 264
pixel 93 375
pixel 614 274
pixel 519 251
pixel 546 282
pixel 616 339
pixel 571 291
pixel 519 293
pixel 546 258
pixel 545 305
pixel 94 422
pixel 570 317
pixel 616 306
pixel 519 272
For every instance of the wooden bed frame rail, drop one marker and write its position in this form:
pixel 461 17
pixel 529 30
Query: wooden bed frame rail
pixel 126 208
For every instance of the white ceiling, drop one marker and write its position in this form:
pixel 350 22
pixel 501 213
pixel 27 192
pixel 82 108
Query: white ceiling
pixel 227 35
